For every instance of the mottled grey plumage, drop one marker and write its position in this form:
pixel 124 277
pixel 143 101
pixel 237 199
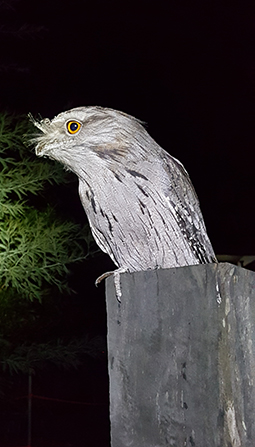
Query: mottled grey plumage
pixel 140 202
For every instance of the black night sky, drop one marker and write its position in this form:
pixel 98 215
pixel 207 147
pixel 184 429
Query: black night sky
pixel 185 68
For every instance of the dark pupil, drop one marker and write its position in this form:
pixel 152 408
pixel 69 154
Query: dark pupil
pixel 73 126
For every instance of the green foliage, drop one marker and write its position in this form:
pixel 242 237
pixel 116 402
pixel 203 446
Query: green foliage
pixel 25 358
pixel 35 246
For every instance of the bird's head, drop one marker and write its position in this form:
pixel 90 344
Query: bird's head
pixel 86 134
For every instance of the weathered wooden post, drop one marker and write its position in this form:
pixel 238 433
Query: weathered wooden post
pixel 181 349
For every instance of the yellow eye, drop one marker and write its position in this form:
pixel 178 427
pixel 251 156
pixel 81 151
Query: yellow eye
pixel 73 127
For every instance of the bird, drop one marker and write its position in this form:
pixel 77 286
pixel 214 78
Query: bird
pixel 141 206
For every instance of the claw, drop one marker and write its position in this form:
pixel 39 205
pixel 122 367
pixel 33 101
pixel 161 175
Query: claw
pixel 116 280
pixel 103 276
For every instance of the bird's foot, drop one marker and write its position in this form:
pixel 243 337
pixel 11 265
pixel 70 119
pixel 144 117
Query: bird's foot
pixel 116 280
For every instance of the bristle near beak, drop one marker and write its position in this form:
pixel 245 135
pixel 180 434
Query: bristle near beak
pixel 42 125
pixel 38 139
